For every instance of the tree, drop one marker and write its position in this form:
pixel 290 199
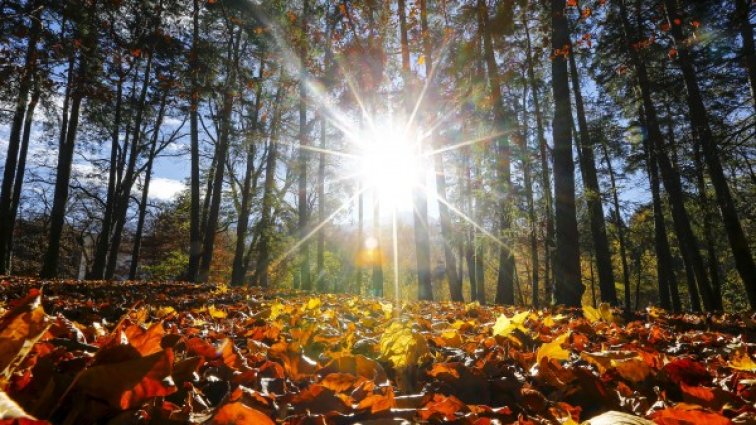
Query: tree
pixel 569 288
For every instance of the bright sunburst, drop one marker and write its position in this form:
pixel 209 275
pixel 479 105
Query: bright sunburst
pixel 391 165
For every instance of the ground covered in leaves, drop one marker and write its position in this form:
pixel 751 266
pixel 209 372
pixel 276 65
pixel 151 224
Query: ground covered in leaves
pixel 176 353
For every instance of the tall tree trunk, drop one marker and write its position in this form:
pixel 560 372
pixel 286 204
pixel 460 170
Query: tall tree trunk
pixel 699 121
pixel 503 122
pixel 232 63
pixel 592 195
pixel 69 129
pixel 21 171
pixel 14 141
pixel 528 182
pixel 620 228
pixel 569 288
pixel 195 241
pixel 377 277
pixel 469 249
pixel 743 21
pixel 304 250
pixel 101 251
pixel 123 192
pixel 669 296
pixel 420 201
pixel 455 284
pixel 320 256
pixel 670 176
pixel 239 268
pixel 137 246
pixel 269 187
pixel 708 218
pixel 545 173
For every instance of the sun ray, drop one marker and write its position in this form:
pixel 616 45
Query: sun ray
pixel 319 150
pixel 465 143
pixel 469 220
pixel 295 247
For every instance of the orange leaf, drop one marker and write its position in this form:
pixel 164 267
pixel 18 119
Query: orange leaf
pixel 238 414
pixel 688 414
pixel 128 384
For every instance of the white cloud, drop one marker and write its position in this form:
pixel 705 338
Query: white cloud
pixel 163 189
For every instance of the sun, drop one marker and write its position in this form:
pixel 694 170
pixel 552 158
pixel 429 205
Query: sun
pixel 391 165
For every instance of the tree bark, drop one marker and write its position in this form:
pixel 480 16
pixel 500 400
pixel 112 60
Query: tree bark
pixel 232 63
pixel 670 176
pixel 592 195
pixel 450 262
pixel 420 216
pixel 304 250
pixel 14 139
pixel 137 246
pixel 699 121
pixel 569 287
pixel 528 182
pixel 18 182
pixel 69 128
pixel 620 229
pixel 503 122
pixel 195 241
pixel 239 268
pixel 269 187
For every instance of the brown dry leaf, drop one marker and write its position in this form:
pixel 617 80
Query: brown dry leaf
pixel 125 385
pixel 20 329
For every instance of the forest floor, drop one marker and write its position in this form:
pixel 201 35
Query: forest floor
pixel 176 353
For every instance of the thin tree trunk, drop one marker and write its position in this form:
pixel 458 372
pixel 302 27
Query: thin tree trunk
pixel 670 177
pixel 620 228
pixel 455 285
pixel 320 256
pixel 124 191
pixel 195 241
pixel 592 193
pixel 525 158
pixel 101 251
pixel 545 173
pixel 699 120
pixel 304 250
pixel 137 246
pixel 239 269
pixel 569 287
pixel 708 224
pixel 669 296
pixel 67 141
pixel 420 216
pixel 266 223
pixel 232 63
pixel 14 140
pixel 20 171
pixel 503 122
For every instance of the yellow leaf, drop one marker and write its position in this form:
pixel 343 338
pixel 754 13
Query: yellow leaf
pixel 604 312
pixel 550 321
pixel 402 346
pixel 504 325
pixel 165 311
pixel 451 338
pixel 313 303
pixel 388 310
pixel 553 350
pixel 421 59
pixel 741 360
pixel 216 313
